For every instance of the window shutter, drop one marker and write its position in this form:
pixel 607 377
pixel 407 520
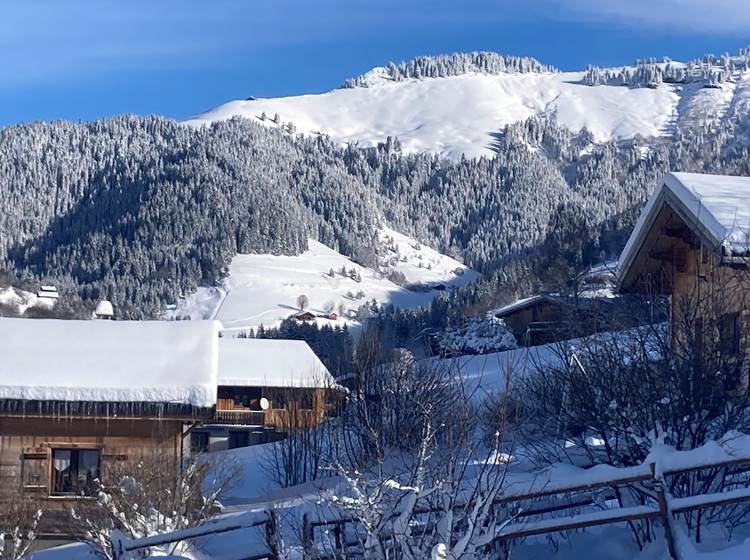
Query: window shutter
pixel 35 471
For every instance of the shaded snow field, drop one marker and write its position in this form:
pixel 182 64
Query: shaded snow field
pixel 263 289
pixel 462 115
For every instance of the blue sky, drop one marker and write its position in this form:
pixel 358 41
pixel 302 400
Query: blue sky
pixel 83 59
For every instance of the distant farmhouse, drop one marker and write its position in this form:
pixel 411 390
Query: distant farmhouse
pixel 692 242
pixel 78 399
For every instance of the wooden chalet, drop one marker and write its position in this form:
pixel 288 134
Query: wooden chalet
pixel 546 318
pixel 692 243
pixel 265 388
pixel 79 399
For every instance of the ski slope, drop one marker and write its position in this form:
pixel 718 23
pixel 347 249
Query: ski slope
pixel 263 289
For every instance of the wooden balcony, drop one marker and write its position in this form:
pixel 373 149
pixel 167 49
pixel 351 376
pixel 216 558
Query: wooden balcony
pixel 241 417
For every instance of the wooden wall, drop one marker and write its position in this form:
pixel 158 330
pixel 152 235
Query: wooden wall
pixel 673 260
pixel 26 447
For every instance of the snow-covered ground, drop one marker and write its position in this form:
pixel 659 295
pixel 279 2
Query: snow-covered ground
pixel 463 114
pixel 263 289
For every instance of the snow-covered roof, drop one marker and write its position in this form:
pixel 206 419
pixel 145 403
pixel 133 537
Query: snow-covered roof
pixel 716 207
pixel 104 309
pixel 522 304
pixel 258 362
pixel 109 361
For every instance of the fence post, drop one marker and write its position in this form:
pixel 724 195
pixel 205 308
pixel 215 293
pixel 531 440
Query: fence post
pixel 666 516
pixel 307 535
pixel 272 535
pixel 338 535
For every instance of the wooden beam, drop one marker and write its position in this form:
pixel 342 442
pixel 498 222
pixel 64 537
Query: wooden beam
pixel 558 524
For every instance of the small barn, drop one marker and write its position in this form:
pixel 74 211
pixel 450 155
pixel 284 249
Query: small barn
pixel 265 388
pixel 104 310
pixel 305 316
pixel 545 318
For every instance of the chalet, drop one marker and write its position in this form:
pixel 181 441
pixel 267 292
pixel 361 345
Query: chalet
pixel 80 398
pixel 305 316
pixel 48 292
pixel 545 318
pixel 692 243
pixel 265 388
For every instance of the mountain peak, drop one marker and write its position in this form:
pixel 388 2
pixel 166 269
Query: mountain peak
pixel 444 65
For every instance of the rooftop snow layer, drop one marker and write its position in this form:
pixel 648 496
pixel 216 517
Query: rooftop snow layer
pixel 258 362
pixel 113 361
pixel 716 206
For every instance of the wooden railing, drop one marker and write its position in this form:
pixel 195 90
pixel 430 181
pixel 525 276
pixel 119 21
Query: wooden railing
pixel 659 506
pixel 241 417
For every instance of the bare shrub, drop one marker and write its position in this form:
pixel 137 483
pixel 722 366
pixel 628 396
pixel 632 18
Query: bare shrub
pixel 20 515
pixel 148 496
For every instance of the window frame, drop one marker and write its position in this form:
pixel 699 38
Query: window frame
pixel 202 449
pixel 77 450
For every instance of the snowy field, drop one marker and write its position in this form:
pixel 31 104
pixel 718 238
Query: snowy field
pixel 463 114
pixel 263 289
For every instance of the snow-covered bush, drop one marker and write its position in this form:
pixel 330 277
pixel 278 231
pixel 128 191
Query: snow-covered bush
pixel 149 497
pixel 479 335
pixel 407 445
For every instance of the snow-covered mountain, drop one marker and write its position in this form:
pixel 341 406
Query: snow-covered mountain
pixel 463 114
pixel 263 289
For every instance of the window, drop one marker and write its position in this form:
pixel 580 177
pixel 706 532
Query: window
pixel 729 332
pixel 75 471
pixel 199 442
pixel 306 398
pixel 699 340
pixel 279 398
pixel 238 439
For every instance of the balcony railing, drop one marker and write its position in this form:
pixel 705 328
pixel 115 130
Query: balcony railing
pixel 244 417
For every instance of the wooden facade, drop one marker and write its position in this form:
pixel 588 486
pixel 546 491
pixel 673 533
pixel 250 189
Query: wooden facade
pixel 249 415
pixel 59 460
pixel 543 319
pixel 709 291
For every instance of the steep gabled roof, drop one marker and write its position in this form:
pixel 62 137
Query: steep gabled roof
pixel 715 207
pixel 165 362
pixel 259 362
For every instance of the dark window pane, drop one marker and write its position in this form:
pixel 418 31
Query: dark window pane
pixel 75 471
pixel 238 439
pixel 730 333
pixel 199 442
pixel 62 481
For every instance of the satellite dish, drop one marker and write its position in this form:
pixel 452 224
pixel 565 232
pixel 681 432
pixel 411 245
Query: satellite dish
pixel 264 404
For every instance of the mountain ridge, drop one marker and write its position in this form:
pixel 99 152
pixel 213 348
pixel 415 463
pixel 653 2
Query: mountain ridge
pixel 457 105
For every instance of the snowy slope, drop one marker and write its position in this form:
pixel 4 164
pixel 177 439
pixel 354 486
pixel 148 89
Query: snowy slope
pixel 263 289
pixel 460 114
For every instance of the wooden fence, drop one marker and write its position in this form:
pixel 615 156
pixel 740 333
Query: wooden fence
pixel 646 479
